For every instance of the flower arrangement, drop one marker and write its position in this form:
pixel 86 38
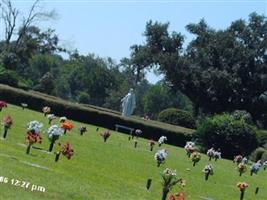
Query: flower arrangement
pixel 62 119
pixel 53 134
pixel 151 143
pixel 66 126
pixel 83 129
pixel 32 138
pixel 162 140
pixel 242 168
pixel 24 105
pixel 242 187
pixel 255 168
pixel 210 153
pixel 65 150
pixel 189 148
pixel 106 135
pixel 34 126
pixel 46 110
pixel 265 165
pixel 178 196
pixel 217 155
pixel 160 156
pixel 3 104
pixel 208 170
pixel 50 118
pixel 138 132
pixel 170 179
pixel 195 157
pixel 7 124
pixel 238 159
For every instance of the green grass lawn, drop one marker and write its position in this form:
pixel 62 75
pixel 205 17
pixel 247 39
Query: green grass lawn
pixel 114 170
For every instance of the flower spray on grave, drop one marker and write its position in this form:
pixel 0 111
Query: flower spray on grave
pixel 3 104
pixel 53 135
pixel 66 126
pixel 65 150
pixel 242 187
pixel 24 105
pixel 189 148
pixel 160 156
pixel 7 122
pixel 265 165
pixel 50 118
pixel 33 134
pixel 208 170
pixel 83 129
pixel 195 157
pixel 106 135
pixel 151 143
pixel 210 153
pixel 46 110
pixel 137 132
pixel 255 168
pixel 162 140
pixel 170 179
pixel 238 159
pixel 242 168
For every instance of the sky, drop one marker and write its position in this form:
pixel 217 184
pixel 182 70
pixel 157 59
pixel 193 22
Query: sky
pixel 108 28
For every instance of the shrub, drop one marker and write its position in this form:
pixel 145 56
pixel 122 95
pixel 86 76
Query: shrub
pixel 243 115
pixel 84 98
pixel 262 137
pixel 264 156
pixel 8 77
pixel 257 154
pixel 177 117
pixel 232 136
pixel 95 115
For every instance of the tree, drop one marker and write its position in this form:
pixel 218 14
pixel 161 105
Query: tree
pixel 220 70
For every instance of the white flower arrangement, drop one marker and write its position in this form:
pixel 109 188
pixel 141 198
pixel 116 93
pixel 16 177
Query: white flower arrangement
pixel 62 119
pixel 169 172
pixel 162 139
pixel 54 130
pixel 51 116
pixel 189 145
pixel 217 155
pixel 34 125
pixel 161 155
pixel 211 152
pixel 208 169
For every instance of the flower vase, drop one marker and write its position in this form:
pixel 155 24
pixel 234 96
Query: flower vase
pixel 49 122
pixel 53 140
pixel 151 147
pixel 210 158
pixel 207 175
pixel 194 163
pixel 65 131
pixel 240 173
pixel 148 183
pixel 135 144
pixel 158 164
pixel 165 192
pixel 5 132
pixel 242 194
pixel 28 150
pixel 105 139
pixel 57 157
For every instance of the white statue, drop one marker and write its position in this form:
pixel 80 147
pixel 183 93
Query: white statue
pixel 128 104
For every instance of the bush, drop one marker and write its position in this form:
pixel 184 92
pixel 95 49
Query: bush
pixel 177 117
pixel 84 98
pixel 262 137
pixel 264 156
pixel 8 77
pixel 232 136
pixel 95 115
pixel 243 115
pixel 257 154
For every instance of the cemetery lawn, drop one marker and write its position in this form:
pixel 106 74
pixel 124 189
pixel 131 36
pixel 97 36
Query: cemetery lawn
pixel 114 170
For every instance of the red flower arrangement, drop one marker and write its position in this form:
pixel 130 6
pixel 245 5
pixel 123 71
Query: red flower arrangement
pixel 106 135
pixel 67 126
pixel 3 104
pixel 151 143
pixel 32 138
pixel 7 124
pixel 242 186
pixel 66 150
pixel 178 196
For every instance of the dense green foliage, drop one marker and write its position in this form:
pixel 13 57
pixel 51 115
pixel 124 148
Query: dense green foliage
pixel 220 70
pixel 232 136
pixel 177 117
pixel 257 154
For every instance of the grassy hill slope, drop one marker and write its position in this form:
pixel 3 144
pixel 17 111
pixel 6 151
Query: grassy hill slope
pixel 114 170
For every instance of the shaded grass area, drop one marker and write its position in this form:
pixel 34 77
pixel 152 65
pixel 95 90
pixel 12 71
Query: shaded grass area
pixel 113 170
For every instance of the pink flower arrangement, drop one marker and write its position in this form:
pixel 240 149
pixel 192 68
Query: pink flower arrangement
pixel 106 135
pixel 7 124
pixel 3 104
pixel 65 150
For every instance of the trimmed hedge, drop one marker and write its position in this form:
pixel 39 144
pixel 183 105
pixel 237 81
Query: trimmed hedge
pixel 94 115
pixel 177 117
